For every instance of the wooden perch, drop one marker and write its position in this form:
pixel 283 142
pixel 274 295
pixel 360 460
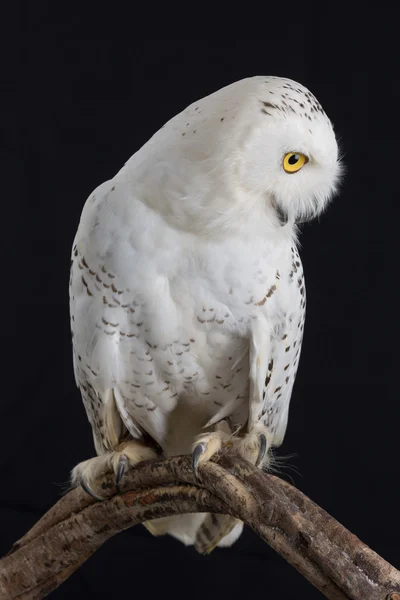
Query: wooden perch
pixel 334 560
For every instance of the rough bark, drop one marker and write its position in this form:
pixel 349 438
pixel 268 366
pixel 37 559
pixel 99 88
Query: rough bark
pixel 334 560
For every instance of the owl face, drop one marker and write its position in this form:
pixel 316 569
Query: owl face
pixel 240 157
pixel 290 156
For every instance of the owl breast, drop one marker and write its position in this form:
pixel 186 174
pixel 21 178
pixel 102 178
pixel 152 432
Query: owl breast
pixel 167 322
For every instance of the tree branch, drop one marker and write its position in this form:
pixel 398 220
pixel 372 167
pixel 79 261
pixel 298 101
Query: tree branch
pixel 328 555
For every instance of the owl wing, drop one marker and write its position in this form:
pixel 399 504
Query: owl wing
pixel 104 403
pixel 104 323
pixel 101 410
pixel 274 357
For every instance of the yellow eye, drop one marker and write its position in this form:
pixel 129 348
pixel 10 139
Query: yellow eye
pixel 293 161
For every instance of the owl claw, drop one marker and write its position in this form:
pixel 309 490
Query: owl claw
pixel 122 468
pixel 263 449
pixel 197 452
pixel 88 490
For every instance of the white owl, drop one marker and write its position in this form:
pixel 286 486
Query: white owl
pixel 187 293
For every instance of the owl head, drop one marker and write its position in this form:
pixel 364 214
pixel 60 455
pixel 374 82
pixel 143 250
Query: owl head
pixel 258 153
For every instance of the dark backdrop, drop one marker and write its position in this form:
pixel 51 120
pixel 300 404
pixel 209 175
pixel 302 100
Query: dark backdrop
pixel 77 108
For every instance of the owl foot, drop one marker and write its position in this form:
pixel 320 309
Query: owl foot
pixel 208 444
pixel 252 446
pixel 89 473
pixel 262 450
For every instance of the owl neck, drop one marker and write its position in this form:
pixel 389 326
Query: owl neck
pixel 204 198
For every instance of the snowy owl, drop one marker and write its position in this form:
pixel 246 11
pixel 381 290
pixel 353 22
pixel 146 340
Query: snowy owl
pixel 187 293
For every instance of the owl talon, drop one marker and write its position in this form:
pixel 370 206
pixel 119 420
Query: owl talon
pixel 263 449
pixel 122 468
pixel 197 452
pixel 88 490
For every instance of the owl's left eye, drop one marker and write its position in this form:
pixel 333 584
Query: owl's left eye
pixel 294 161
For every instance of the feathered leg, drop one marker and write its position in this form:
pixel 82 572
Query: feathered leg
pixel 117 452
pixel 253 446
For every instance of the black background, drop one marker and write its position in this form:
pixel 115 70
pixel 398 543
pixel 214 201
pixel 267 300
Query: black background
pixel 76 108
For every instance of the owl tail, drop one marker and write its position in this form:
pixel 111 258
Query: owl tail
pixel 204 531
pixel 215 530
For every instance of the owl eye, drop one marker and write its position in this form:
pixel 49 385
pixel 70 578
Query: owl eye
pixel 293 161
